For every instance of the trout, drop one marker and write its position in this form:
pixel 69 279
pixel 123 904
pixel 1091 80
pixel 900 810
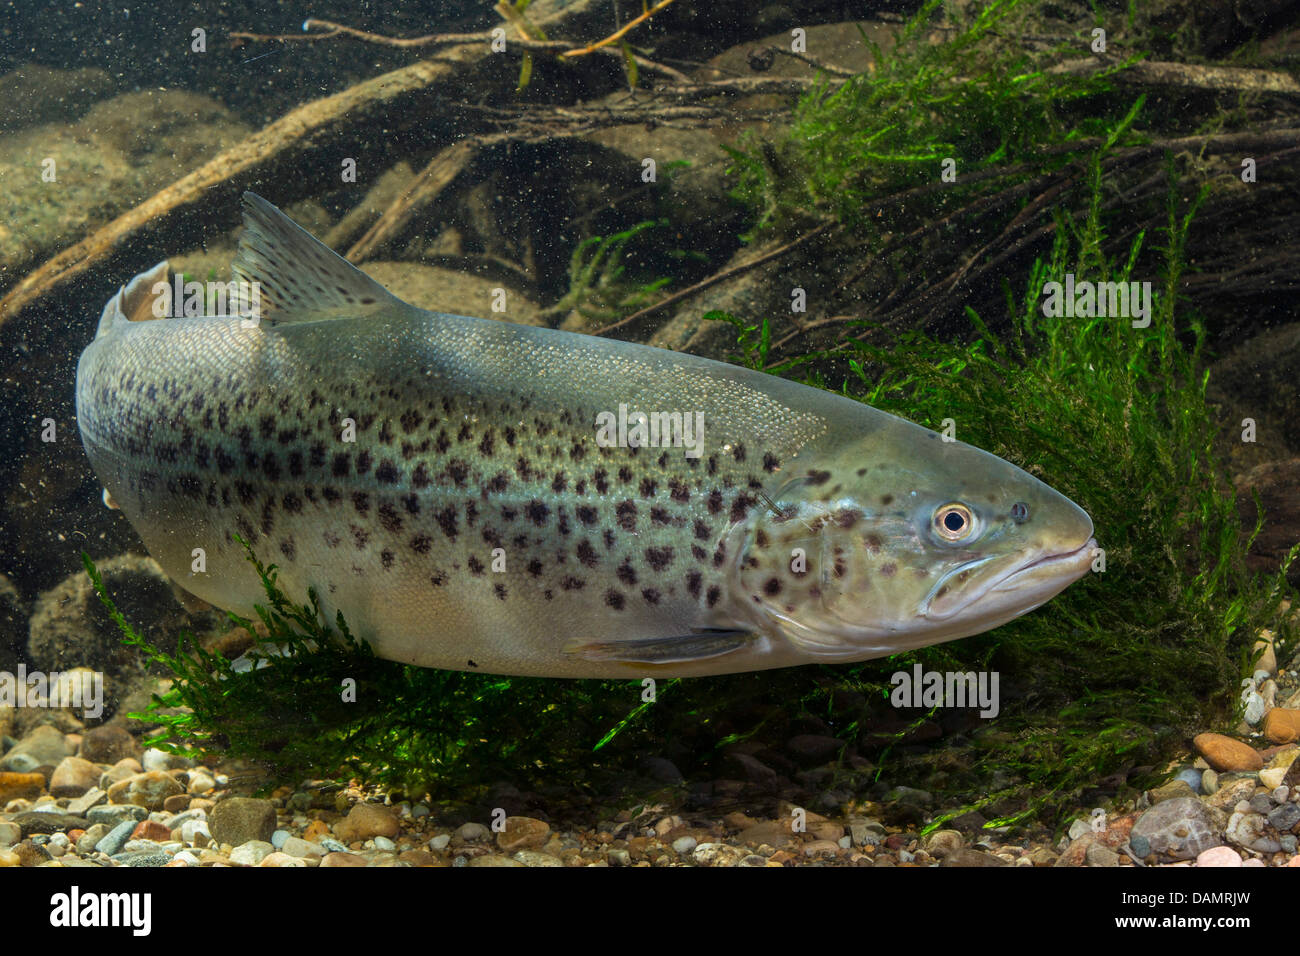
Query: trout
pixel 478 495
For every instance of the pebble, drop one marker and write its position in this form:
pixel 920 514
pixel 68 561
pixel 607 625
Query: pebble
pixel 1282 725
pixel 1250 830
pixel 366 820
pixel 151 830
pixel 148 789
pixel 717 854
pixel 1192 777
pixel 619 858
pixel 342 858
pixel 968 857
pixel 238 820
pixel 684 845
pixel 1171 791
pixel 1179 829
pixel 1272 778
pixel 86 842
pixel 112 841
pixel 1226 754
pixel 1099 855
pixel 294 846
pixel 332 846
pixel 383 843
pixel 73 777
pixel 251 852
pixel 1285 817
pixel 15 785
pixel 10 833
pixel 107 744
pixel 43 746
pixel 200 783
pixel 1218 856
pixel 537 858
pixel 278 838
pixel 91 798
pixel 281 860
pixel 35 821
pixel 196 833
pixel 494 859
pixel 154 857
pixel 440 842
pixel 522 833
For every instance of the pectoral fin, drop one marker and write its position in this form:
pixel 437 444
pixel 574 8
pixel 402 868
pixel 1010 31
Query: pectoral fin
pixel 697 646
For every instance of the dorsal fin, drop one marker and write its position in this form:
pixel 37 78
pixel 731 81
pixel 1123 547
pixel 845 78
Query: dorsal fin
pixel 299 278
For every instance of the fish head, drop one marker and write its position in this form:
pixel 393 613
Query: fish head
pixel 903 540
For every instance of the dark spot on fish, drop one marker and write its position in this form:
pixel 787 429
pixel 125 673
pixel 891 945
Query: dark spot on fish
pixel 510 437
pixel 389 518
pixel 340 464
pixel 292 503
pixel 713 594
pixel 332 539
pixel 410 420
pixel 625 474
pixel 586 553
pixel 363 462
pixel 475 565
pixel 458 471
pixel 847 517
pixel 698 553
pixel 626 573
pixel 486 444
pixel 626 514
pixel 702 530
pixel 535 568
pixel 386 473
pixel 693 580
pixel 818 477
pixel 770 462
pixel 562 521
pixel 438 579
pixel 386 557
pixel 412 504
pixel 361 501
pixel 738 452
pixel 497 483
pixel 225 463
pixel 839 568
pixel 888 570
pixel 537 512
pixel 577 452
pixel 874 543
pixel 359 537
pixel 651 595
pixel 509 514
pixel 442 443
pixel 601 479
pixel 465 433
pixel 587 514
pixel 659 558
pixel 720 555
pixel 559 482
pixel 287 548
pixel 679 491
pixel 740 507
pixel 713 465
pixel 447 521
pixel 715 501
pixel 571 583
pixel 660 516
pixel 761 539
pixel 500 591
pixel 332 494
pixel 609 540
pixel 886 500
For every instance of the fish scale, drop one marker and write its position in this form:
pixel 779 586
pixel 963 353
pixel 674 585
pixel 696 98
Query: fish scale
pixel 476 522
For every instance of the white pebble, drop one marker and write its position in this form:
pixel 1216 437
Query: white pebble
pixel 845 842
pixel 278 838
pixel 155 760
pixel 419 810
pixel 440 842
pixel 684 845
pixel 58 839
pixel 383 843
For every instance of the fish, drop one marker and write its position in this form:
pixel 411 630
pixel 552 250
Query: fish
pixel 474 494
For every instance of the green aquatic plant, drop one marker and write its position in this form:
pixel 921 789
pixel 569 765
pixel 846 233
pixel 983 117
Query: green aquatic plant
pixel 1126 665
pixel 597 289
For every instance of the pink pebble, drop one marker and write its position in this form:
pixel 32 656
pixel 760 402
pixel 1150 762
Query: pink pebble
pixel 1218 856
pixel 1253 862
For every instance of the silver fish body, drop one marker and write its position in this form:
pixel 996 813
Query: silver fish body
pixel 479 519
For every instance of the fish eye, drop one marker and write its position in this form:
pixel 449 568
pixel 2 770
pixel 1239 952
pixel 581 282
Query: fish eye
pixel 953 522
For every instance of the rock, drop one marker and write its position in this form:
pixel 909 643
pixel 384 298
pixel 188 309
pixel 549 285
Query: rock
pixel 10 858
pixel 176 803
pixel 1172 790
pixel 113 814
pixel 149 789
pixel 1284 818
pixel 44 745
pixel 1209 781
pixel 472 833
pixel 684 845
pixel 522 833
pixel 775 833
pixel 1272 777
pixel 1192 777
pixel 754 770
pixel 440 842
pixel 86 842
pixel 239 820
pixel 280 860
pixel 34 821
pixel 1099 855
pixel 73 777
pixel 1225 754
pixel 660 770
pixel 528 858
pixel 1282 725
pixel 1267 653
pixel 1218 856
pixel 91 798
pixel 113 841
pixel 1230 791
pixel 367 820
pixel 718 854
pixel 1178 829
pixel 385 844
pixel 942 842
pixel 107 744
pixel 494 859
pixel 20 786
pixel 295 846
pixel 251 852
pixel 157 857
pixel 964 856
pixel 1250 830
pixel 151 830
pixel 10 833
pixel 196 833
pixel 342 859
pixel 30 854
pixel 315 830
pixel 812 749
pixel 619 857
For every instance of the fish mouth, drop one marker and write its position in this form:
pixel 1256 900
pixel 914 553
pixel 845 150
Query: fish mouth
pixel 1051 567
